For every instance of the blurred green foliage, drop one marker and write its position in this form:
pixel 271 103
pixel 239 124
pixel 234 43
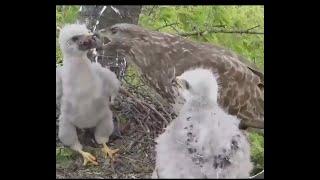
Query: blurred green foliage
pixel 64 156
pixel 198 18
pixel 64 15
pixel 257 151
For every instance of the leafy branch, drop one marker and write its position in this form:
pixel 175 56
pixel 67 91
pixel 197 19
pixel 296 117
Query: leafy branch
pixel 202 32
pixel 166 25
pixel 172 25
pixel 151 11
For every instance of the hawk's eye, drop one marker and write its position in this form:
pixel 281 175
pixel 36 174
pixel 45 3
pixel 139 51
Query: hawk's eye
pixel 114 30
pixel 96 35
pixel 102 30
pixel 75 38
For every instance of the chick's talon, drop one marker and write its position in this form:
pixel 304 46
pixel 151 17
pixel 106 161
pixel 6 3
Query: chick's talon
pixel 88 158
pixel 109 152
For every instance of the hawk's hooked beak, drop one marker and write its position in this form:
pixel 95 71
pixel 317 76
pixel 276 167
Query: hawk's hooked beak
pixel 104 34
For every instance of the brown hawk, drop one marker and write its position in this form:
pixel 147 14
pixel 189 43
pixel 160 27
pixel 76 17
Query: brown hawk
pixel 161 56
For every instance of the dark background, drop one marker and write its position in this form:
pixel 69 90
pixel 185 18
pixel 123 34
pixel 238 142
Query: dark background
pixel 28 70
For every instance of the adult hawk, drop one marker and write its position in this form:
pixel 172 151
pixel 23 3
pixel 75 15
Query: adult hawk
pixel 161 56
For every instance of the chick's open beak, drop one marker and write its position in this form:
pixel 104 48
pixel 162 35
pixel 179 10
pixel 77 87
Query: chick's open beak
pixel 89 41
pixel 176 82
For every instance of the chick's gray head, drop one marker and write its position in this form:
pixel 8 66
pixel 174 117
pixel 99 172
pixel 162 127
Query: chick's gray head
pixel 76 39
pixel 198 82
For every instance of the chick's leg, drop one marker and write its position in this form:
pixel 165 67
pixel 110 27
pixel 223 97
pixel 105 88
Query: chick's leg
pixel 87 157
pixel 68 136
pixel 103 130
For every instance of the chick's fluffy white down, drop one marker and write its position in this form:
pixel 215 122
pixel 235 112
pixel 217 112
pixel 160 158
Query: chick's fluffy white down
pixel 86 89
pixel 203 141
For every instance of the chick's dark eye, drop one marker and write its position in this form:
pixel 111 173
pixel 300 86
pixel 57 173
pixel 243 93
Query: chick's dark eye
pixel 187 85
pixel 75 38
